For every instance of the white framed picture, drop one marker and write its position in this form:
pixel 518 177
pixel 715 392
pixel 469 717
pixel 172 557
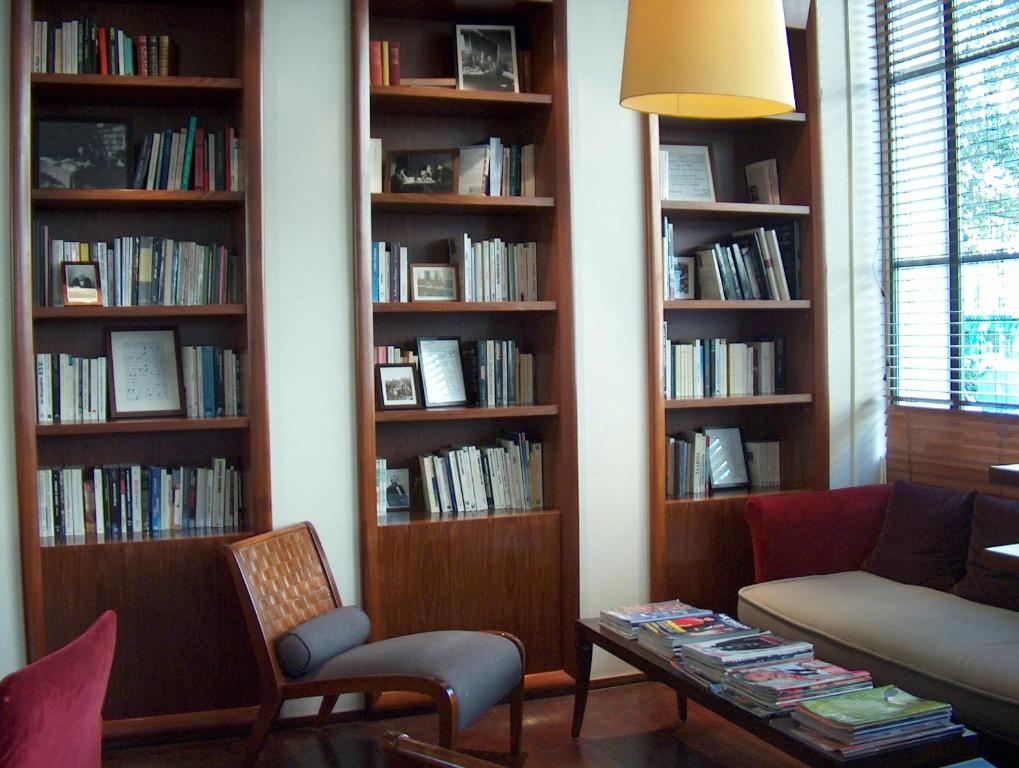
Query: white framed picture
pixel 145 373
pixel 687 173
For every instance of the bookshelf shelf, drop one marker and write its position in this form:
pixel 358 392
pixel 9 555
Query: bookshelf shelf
pixel 738 402
pixel 419 517
pixel 125 199
pixel 463 414
pixel 429 307
pixel 71 314
pixel 685 209
pixel 673 504
pixel 132 426
pixel 415 100
pixel 404 202
pixel 147 539
pixel 118 89
pixel 707 305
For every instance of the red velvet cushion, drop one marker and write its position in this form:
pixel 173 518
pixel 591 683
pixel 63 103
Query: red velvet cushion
pixel 800 534
pixel 995 521
pixel 50 711
pixel 925 536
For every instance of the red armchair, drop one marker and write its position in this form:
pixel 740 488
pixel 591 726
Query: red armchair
pixel 51 711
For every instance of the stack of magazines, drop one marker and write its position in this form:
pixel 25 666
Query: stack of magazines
pixel 710 661
pixel 780 687
pixel 627 620
pixel 866 722
pixel 666 637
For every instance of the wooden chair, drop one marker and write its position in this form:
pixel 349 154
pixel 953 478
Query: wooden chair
pixel 284 580
pixel 402 751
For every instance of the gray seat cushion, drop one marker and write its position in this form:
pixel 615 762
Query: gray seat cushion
pixel 930 643
pixel 480 667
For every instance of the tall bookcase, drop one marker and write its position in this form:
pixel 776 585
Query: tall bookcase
pixel 517 571
pixel 183 657
pixel 700 547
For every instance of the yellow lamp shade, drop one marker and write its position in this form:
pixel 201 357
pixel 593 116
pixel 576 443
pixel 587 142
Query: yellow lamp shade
pixel 707 59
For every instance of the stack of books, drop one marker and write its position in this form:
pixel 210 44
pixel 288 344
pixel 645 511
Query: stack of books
pixel 866 722
pixel 780 687
pixel 627 620
pixel 710 661
pixel 666 637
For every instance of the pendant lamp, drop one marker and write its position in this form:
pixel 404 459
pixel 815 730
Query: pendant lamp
pixel 707 59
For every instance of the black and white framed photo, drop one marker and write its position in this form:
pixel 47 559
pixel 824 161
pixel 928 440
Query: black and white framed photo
pixel 687 173
pixel 144 373
pixel 397 489
pixel 81 154
pixel 442 378
pixel 423 171
pixel 397 386
pixel 486 58
pixel 727 467
pixel 432 282
pixel 81 284
pixel 686 269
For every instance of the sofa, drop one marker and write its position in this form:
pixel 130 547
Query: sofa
pixel 890 578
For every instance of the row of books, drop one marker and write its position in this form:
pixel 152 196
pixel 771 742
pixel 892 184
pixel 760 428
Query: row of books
pixel 389 353
pixel 124 500
pixel 688 469
pixel 191 157
pixel 720 368
pixel 70 389
pixel 494 270
pixel 390 272
pixel 138 271
pixel 497 374
pixel 212 382
pixel 384 62
pixel 81 47
pixel 492 169
pixel 464 479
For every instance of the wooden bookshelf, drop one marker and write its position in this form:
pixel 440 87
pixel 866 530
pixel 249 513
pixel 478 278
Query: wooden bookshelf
pixel 700 546
pixel 512 570
pixel 183 655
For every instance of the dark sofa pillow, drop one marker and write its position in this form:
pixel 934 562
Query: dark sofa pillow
pixel 319 639
pixel 925 536
pixel 995 521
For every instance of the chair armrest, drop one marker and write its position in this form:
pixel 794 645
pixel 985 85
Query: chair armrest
pixel 816 532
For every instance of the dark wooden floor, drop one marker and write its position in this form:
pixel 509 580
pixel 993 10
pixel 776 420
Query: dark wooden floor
pixel 626 726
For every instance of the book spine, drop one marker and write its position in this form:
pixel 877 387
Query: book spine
pixel 189 147
pixel 385 62
pixel 375 62
pixel 394 62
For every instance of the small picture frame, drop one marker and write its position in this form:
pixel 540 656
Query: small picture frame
pixel 686 271
pixel 397 489
pixel 81 284
pixel 687 173
pixel 144 373
pixel 397 386
pixel 433 282
pixel 727 466
pixel 81 154
pixel 486 58
pixel 422 171
pixel 442 378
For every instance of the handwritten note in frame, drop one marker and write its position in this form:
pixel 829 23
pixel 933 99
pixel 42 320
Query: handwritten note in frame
pixel 145 373
pixel 687 173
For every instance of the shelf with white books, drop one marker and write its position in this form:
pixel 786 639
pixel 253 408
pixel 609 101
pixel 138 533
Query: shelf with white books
pixel 689 403
pixel 420 202
pixel 416 100
pixel 421 517
pixel 729 305
pixel 150 90
pixel 692 209
pixel 430 307
pixel 128 199
pixel 466 414
pixel 138 313
pixel 132 426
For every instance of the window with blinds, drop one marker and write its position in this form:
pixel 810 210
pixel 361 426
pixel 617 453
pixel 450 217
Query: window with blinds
pixel 950 159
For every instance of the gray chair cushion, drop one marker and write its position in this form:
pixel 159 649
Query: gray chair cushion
pixel 317 640
pixel 480 667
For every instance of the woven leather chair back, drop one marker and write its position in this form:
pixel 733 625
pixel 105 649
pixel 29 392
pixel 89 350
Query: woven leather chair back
pixel 287 581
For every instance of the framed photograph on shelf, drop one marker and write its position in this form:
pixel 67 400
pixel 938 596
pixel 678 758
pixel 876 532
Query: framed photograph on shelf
pixel 425 171
pixel 442 378
pixel 727 467
pixel 486 58
pixel 397 386
pixel 687 173
pixel 397 489
pixel 81 284
pixel 686 269
pixel 144 373
pixel 81 154
pixel 432 282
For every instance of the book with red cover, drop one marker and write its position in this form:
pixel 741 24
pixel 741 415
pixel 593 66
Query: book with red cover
pixel 394 62
pixel 101 44
pixel 375 62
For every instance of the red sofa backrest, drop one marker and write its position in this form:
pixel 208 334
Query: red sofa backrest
pixel 800 534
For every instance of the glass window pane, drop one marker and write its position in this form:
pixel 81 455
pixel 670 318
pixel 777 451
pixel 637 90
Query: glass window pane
pixel 990 333
pixel 920 346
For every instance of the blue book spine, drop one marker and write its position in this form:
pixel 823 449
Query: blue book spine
pixel 155 496
pixel 375 271
pixel 208 382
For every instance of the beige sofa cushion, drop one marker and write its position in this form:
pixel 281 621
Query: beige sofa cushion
pixel 930 643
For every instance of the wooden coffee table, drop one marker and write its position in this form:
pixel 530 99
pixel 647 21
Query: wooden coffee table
pixel 589 633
